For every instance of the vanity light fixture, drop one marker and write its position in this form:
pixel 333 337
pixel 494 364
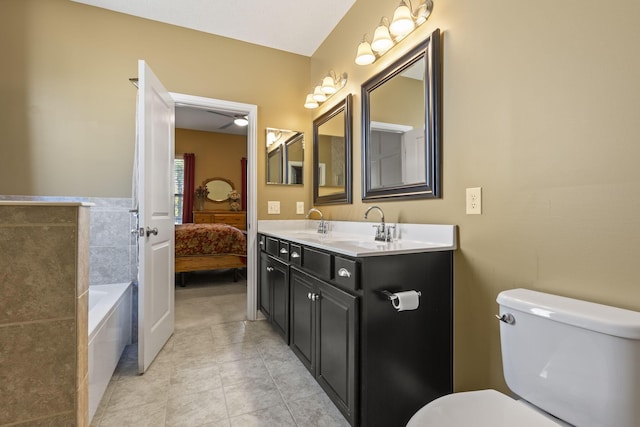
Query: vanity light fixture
pixel 386 34
pixel 241 121
pixel 365 55
pixel 382 41
pixel 330 84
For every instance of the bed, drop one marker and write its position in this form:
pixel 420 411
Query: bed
pixel 209 247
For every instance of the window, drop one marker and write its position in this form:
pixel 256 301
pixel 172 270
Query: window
pixel 178 187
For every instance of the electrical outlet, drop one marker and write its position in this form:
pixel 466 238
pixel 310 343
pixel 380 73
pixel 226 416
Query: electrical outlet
pixel 474 201
pixel 273 207
pixel 300 208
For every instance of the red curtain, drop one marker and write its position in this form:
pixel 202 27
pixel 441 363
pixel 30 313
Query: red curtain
pixel 189 187
pixel 243 195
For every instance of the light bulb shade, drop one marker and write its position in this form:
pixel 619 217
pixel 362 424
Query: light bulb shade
pixel 241 121
pixel 310 102
pixel 424 11
pixel 365 55
pixel 319 95
pixel 402 23
pixel 328 85
pixel 381 39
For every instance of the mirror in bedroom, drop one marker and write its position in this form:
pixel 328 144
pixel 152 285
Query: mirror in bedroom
pixel 219 189
pixel 401 126
pixel 285 156
pixel 332 155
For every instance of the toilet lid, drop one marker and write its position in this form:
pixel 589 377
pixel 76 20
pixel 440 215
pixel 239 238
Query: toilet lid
pixel 484 408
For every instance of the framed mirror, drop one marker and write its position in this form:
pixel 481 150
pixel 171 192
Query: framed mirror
pixel 401 126
pixel 219 189
pixel 285 156
pixel 332 155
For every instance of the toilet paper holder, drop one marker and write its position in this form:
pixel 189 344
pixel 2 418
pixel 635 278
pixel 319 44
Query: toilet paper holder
pixel 391 296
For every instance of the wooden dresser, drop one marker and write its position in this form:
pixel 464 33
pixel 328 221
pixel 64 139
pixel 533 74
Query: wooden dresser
pixel 236 219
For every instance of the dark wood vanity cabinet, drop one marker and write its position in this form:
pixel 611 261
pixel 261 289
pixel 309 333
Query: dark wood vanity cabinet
pixel 324 337
pixel 377 364
pixel 274 293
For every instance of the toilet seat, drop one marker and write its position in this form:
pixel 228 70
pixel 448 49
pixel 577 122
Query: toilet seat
pixel 484 408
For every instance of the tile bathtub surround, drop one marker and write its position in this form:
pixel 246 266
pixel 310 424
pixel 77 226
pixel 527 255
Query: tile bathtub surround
pixel 43 283
pixel 112 248
pixel 217 370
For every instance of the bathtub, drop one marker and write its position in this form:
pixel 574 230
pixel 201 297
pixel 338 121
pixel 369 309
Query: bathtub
pixel 109 333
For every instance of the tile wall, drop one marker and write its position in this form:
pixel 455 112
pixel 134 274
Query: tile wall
pixel 44 271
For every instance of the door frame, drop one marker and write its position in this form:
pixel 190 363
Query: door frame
pixel 251 111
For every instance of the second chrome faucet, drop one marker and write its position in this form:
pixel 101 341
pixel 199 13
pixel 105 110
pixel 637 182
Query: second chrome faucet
pixel 383 231
pixel 322 225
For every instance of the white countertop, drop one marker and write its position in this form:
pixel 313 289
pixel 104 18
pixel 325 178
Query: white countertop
pixel 356 239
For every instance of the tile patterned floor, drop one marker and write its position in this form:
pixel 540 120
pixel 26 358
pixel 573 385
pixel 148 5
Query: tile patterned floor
pixel 216 370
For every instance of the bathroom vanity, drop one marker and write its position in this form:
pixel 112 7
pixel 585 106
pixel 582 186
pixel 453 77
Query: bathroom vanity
pixel 328 296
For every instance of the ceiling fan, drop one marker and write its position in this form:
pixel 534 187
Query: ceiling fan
pixel 238 119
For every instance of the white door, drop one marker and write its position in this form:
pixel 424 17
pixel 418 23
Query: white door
pixel 156 118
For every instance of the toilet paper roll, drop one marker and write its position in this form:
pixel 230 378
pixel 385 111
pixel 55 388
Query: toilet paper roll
pixel 407 300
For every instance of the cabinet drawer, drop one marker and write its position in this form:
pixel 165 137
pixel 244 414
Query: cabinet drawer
pixel 202 219
pixel 295 254
pixel 317 262
pixel 273 245
pixel 234 220
pixel 346 273
pixel 283 250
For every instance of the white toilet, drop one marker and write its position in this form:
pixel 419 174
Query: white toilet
pixel 570 362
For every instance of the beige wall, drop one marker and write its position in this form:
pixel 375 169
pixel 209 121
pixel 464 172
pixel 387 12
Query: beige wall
pixel 67 115
pixel 217 155
pixel 541 105
pixel 540 110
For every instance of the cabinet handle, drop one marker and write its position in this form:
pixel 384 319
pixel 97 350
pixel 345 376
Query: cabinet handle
pixel 295 255
pixel 343 272
pixel 269 269
pixel 284 251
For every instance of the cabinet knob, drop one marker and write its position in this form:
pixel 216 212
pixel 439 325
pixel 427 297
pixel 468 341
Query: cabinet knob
pixel 284 251
pixel 315 297
pixel 309 295
pixel 269 269
pixel 261 243
pixel 343 272
pixel 295 255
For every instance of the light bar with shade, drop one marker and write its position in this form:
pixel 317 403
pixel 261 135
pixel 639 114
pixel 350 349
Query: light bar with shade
pixel 329 85
pixel 386 35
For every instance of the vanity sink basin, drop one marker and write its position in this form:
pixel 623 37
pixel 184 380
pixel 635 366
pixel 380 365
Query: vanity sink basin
pixel 356 238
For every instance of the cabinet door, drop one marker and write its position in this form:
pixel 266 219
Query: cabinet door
pixel 302 318
pixel 336 346
pixel 264 299
pixel 279 283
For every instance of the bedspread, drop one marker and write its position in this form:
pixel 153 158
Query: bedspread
pixel 210 239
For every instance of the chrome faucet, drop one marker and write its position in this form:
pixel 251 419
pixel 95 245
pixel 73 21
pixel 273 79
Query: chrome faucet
pixel 322 225
pixel 383 232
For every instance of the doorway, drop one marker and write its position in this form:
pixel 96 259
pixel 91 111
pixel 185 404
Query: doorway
pixel 251 111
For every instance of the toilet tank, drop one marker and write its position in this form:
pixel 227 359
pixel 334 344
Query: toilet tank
pixel 576 360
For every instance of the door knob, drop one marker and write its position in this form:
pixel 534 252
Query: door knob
pixel 153 231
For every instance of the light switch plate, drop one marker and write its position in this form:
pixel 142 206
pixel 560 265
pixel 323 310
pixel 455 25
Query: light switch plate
pixel 300 208
pixel 273 207
pixel 474 201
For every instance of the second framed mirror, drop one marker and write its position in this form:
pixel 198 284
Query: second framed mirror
pixel 401 126
pixel 332 131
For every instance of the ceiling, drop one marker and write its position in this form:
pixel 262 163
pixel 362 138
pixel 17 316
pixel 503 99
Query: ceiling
pixel 268 23
pixel 207 120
